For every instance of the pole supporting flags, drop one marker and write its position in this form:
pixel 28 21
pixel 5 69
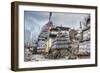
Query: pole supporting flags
pixel 50 16
pixel 47 34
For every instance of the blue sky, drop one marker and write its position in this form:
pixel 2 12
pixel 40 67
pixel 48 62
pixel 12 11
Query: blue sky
pixel 34 21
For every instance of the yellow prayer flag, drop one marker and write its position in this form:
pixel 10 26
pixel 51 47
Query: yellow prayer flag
pixel 47 46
